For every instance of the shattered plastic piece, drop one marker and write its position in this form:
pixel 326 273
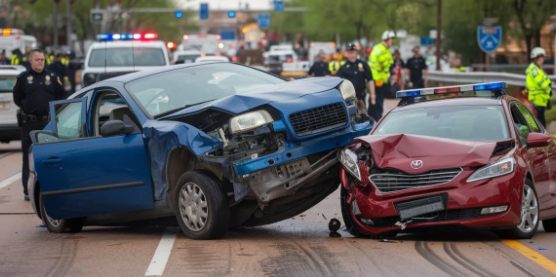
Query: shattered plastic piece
pixel 42 226
pixel 542 248
pixel 403 224
pixel 389 241
pixel 531 242
pixel 334 225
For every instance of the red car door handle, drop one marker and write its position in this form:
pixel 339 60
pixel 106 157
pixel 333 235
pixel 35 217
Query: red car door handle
pixel 52 161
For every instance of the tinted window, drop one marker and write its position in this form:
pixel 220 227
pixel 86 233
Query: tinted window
pixel 7 84
pixel 176 89
pixel 529 118
pixel 127 56
pixel 476 123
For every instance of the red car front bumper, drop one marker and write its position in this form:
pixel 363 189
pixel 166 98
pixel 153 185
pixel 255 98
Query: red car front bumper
pixel 464 203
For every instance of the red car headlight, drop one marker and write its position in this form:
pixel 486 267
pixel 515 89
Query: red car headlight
pixel 497 169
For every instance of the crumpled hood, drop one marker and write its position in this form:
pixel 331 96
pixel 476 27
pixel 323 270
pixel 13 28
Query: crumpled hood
pixel 400 150
pixel 264 95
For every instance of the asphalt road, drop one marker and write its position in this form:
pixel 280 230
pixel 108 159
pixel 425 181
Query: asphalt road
pixel 300 246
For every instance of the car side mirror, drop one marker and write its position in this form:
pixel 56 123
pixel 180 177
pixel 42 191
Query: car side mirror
pixel 115 128
pixel 538 140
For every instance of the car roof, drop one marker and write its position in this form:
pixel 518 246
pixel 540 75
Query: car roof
pixel 11 70
pixel 127 43
pixel 454 102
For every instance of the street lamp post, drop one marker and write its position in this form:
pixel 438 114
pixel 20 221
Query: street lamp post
pixel 438 33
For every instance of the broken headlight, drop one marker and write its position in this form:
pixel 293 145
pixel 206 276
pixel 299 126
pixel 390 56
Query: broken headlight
pixel 250 121
pixel 347 90
pixel 500 168
pixel 349 160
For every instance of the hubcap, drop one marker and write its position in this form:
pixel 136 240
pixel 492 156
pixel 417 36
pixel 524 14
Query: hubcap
pixel 529 210
pixel 53 222
pixel 193 206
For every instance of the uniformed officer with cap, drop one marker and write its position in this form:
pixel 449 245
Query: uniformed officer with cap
pixel 319 68
pixel 33 91
pixel 359 74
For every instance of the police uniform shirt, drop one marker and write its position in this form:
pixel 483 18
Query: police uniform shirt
pixel 33 91
pixel 416 67
pixel 319 69
pixel 59 68
pixel 358 73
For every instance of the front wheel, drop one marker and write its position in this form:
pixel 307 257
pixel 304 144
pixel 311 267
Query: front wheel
pixel 59 225
pixel 529 220
pixel 200 206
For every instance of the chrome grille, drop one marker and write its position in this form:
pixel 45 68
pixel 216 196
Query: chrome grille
pixel 395 180
pixel 319 119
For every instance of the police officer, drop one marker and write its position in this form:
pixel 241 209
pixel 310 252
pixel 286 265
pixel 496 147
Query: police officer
pixel 57 66
pixel 319 68
pixel 338 62
pixel 538 84
pixel 33 91
pixel 415 68
pixel 380 62
pixel 359 74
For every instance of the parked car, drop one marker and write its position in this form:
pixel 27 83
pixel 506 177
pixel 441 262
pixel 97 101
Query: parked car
pixel 213 145
pixel 9 130
pixel 473 156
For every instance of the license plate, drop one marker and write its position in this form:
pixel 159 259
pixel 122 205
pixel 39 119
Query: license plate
pixel 4 105
pixel 418 207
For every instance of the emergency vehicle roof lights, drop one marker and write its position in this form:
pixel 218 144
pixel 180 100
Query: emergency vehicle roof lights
pixel 109 37
pixel 441 90
pixel 10 32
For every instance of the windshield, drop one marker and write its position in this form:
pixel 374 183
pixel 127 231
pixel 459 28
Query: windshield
pixel 7 84
pixel 474 123
pixel 142 56
pixel 172 90
pixel 188 58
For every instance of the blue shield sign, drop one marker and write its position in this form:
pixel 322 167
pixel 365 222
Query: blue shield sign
pixel 278 6
pixel 489 38
pixel 204 11
pixel 264 21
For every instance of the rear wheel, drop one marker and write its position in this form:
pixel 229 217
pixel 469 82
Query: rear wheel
pixel 59 225
pixel 200 206
pixel 529 221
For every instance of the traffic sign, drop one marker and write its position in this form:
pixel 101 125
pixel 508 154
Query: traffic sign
pixel 97 15
pixel 264 21
pixel 278 6
pixel 426 41
pixel 489 38
pixel 227 34
pixel 204 11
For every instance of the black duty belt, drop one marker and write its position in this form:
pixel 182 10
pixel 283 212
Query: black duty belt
pixel 32 117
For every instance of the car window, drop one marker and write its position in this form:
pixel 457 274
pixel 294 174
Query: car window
pixel 111 106
pixel 171 90
pixel 68 121
pixel 474 123
pixel 127 56
pixel 520 124
pixel 7 84
pixel 529 117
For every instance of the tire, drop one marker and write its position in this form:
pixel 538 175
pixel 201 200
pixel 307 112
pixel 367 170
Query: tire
pixel 549 225
pixel 205 216
pixel 59 225
pixel 529 222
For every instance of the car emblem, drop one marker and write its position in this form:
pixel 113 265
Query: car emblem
pixel 416 164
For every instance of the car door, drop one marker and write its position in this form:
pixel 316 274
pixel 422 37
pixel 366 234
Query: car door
pixel 537 157
pixel 82 175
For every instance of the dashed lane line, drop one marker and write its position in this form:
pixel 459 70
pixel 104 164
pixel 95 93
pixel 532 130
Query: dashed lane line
pixel 162 253
pixel 8 181
pixel 532 255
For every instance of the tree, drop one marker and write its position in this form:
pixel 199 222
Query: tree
pixel 532 15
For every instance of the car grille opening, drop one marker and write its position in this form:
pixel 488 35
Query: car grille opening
pixel 319 119
pixel 392 180
pixel 448 215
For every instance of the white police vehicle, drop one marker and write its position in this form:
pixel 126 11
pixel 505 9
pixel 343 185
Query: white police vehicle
pixel 118 54
pixel 9 130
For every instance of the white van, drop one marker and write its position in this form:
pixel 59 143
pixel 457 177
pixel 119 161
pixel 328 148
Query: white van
pixel 11 39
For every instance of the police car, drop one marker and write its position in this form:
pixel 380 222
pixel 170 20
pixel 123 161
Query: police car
pixel 8 121
pixel 118 54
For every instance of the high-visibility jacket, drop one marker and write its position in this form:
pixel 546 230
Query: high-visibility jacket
pixel 538 86
pixel 15 60
pixel 380 61
pixel 65 61
pixel 334 66
pixel 50 59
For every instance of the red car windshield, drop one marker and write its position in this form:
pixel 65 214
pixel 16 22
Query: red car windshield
pixel 474 123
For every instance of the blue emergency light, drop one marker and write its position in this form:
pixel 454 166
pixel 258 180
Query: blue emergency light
pixel 111 37
pixel 453 89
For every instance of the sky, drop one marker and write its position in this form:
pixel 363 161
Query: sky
pixel 226 4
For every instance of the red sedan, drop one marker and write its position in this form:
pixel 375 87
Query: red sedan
pixel 466 155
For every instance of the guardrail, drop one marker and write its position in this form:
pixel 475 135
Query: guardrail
pixel 481 77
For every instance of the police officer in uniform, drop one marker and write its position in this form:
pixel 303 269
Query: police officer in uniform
pixel 319 68
pixel 33 91
pixel 415 66
pixel 538 84
pixel 359 74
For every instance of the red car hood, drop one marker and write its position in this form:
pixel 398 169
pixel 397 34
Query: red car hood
pixel 399 151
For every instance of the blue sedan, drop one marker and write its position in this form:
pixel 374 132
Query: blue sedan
pixel 210 146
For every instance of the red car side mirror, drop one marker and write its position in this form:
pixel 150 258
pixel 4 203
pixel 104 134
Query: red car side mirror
pixel 537 140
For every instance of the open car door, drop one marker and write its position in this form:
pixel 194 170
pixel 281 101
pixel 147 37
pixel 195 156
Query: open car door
pixel 81 175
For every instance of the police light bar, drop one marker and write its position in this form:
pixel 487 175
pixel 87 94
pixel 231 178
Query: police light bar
pixel 109 37
pixel 10 32
pixel 442 90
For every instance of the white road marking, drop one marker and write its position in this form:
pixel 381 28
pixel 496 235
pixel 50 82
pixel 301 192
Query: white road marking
pixel 8 181
pixel 162 253
pixel 5 154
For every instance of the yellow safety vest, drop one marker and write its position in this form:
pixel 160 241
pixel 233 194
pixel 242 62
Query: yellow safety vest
pixel 65 61
pixel 538 86
pixel 15 60
pixel 380 61
pixel 49 59
pixel 334 66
